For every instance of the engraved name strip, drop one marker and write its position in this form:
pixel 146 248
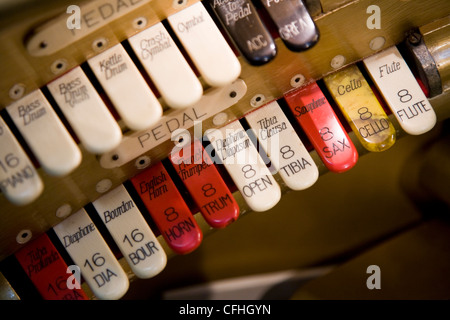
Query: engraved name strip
pixel 361 109
pixel 49 273
pixel 62 31
pixel 86 112
pixel 283 146
pixel 168 209
pixel 329 138
pixel 205 45
pixel 401 91
pixel 45 134
pixel 242 22
pixel 19 180
pixel 127 89
pixel 212 102
pixel 241 159
pixel 87 248
pixel 204 183
pixel 167 67
pixel 131 233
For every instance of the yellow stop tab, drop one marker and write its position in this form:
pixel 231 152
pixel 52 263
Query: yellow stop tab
pixel 361 109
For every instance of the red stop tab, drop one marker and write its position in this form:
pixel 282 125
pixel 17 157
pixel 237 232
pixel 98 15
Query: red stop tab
pixel 205 184
pixel 49 273
pixel 168 209
pixel 323 128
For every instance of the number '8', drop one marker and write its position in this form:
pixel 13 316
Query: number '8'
pixel 404 96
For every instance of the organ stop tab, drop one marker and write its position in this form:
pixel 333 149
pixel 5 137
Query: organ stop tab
pixel 131 233
pixel 168 209
pixel 48 271
pixel 361 109
pixel 283 146
pixel 329 138
pixel 99 267
pixel 234 149
pixel 401 91
pixel 205 184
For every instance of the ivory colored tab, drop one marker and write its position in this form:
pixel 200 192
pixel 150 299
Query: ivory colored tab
pixel 167 67
pixel 283 146
pixel 129 92
pixel 205 45
pixel 205 184
pixel 19 180
pixel 131 233
pixel 361 109
pixel 323 128
pixel 45 134
pixel 86 111
pixel 168 209
pixel 89 251
pixel 401 91
pixel 49 273
pixel 244 164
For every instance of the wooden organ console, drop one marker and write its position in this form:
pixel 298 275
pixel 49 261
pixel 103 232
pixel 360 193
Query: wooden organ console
pixel 132 132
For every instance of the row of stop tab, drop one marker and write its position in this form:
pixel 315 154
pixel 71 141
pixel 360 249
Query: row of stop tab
pixel 135 103
pixel 87 114
pixel 194 164
pixel 120 211
pixel 353 95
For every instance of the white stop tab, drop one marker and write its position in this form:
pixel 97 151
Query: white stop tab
pixel 45 134
pixel 283 146
pixel 126 87
pixel 241 159
pixel 205 45
pixel 89 251
pixel 19 180
pixel 86 112
pixel 167 67
pixel 401 91
pixel 131 233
